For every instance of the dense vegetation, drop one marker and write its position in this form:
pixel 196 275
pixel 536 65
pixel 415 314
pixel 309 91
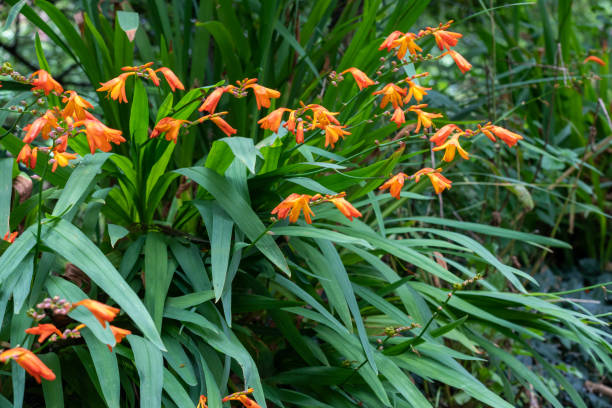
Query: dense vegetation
pixel 305 204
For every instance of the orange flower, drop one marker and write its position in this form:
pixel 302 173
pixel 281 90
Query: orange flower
pixel 61 158
pixel 292 206
pixel 212 100
pixel 406 43
pixel 417 91
pixel 99 135
pixel 43 125
pixel 438 181
pixel 41 79
pixel 389 40
pixel 242 397
pixel 333 133
pixel 44 331
pixel 102 312
pixel 28 156
pixel 446 39
pixel 153 76
pixel 391 93
pixel 119 334
pixel 290 123
pixel 137 68
pixel 273 120
pixel 398 117
pixel 299 135
pixel 202 402
pixel 322 117
pixel 450 147
pixel 443 133
pixel 28 360
pixel 75 108
pixel 394 184
pixel 223 125
pixel 423 118
pixel 345 207
pixel 263 94
pixel 171 78
pixel 360 77
pixel 10 237
pixel 508 137
pixel 594 59
pixel 170 127
pixel 463 64
pixel 115 88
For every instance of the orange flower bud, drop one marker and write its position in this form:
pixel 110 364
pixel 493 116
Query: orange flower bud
pixel 10 237
pixel 171 78
pixel 104 313
pixel 345 207
pixel 360 77
pixel 211 101
pixel 508 137
pixel 446 39
pixel 398 117
pixel 463 64
pixel 43 331
pixel 28 360
pixel 223 125
pixel 443 133
pixel 119 334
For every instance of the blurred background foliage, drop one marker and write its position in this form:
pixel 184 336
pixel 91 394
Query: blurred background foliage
pixel 528 75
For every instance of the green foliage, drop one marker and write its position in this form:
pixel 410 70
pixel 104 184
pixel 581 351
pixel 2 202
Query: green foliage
pixel 399 308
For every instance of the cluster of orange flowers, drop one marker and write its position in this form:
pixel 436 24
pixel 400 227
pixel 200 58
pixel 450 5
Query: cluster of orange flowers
pixel 445 139
pixel 237 396
pixel 293 205
pixel 30 362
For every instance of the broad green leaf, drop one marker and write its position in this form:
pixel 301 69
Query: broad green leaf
pixel 311 185
pixel 22 287
pixel 139 115
pixel 6 189
pixel 116 232
pixel 312 232
pixel 149 363
pixel 78 185
pixel 13 13
pixel 69 242
pixel 190 300
pixel 107 370
pixel 53 390
pixel 190 260
pixel 178 360
pixel 176 391
pixel 244 150
pixel 156 275
pixel 16 252
pixel 237 208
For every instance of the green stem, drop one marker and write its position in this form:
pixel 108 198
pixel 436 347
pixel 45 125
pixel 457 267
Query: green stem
pixel 39 221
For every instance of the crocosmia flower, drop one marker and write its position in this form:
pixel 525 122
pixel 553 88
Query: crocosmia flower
pixel 263 94
pixel 333 133
pixel 103 312
pixel 292 206
pixel 171 78
pixel 398 117
pixel 99 136
pixel 223 125
pixel 406 43
pixel 443 133
pixel 417 91
pixel 508 137
pixel 345 207
pixel 449 148
pixel 43 125
pixel 423 118
pixel 212 100
pixel 119 334
pixel 273 120
pixel 10 237
pixel 115 88
pixel 42 80
pixel 75 106
pixel 170 127
pixel 28 360
pixel 595 59
pixel 394 184
pixel 43 331
pixel 61 158
pixel 242 397
pixel 388 43
pixel 391 93
pixel 360 77
pixel 438 181
pixel 463 64
pixel 28 156
pixel 446 39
